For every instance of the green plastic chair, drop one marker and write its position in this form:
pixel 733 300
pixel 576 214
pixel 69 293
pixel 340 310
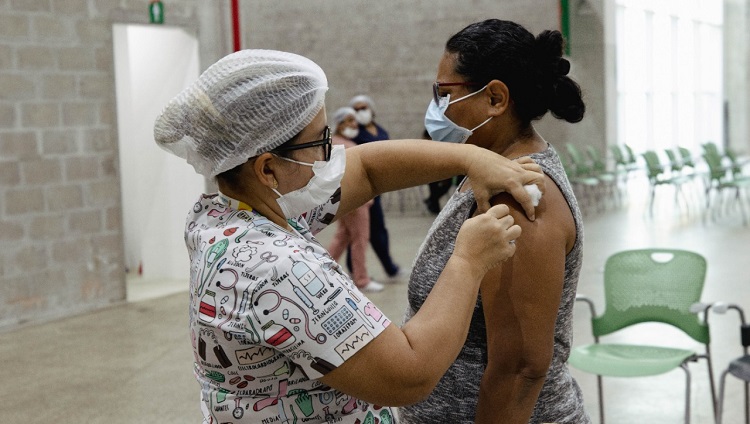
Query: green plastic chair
pixel 646 285
pixel 624 160
pixel 618 156
pixel 674 164
pixel 580 175
pixel 657 176
pixel 720 179
pixel 631 157
pixel 727 159
pixel 736 163
pixel 711 148
pixel 599 169
pixel 687 157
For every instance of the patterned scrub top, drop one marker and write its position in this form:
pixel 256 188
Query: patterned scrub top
pixel 270 313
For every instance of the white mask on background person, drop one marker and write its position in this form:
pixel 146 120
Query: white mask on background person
pixel 364 116
pixel 325 181
pixel 441 128
pixel 350 132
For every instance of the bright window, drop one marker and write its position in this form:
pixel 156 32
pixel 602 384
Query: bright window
pixel 669 73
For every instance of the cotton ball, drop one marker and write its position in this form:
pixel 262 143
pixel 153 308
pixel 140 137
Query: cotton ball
pixel 534 192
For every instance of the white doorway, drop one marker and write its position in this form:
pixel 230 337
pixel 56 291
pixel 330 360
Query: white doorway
pixel 152 65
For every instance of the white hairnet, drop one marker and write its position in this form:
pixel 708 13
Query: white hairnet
pixel 341 114
pixel 247 103
pixel 363 98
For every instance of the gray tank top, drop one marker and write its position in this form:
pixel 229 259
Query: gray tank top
pixel 454 399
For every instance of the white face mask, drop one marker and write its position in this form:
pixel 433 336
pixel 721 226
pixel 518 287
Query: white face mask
pixel 323 184
pixel 441 128
pixel 350 132
pixel 364 116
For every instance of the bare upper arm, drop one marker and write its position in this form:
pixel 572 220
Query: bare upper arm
pixel 385 372
pixel 521 297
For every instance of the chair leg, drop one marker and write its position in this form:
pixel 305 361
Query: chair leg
pixel 708 203
pixel 600 392
pixel 687 393
pixel 651 202
pixel 747 405
pixel 742 207
pixel 711 378
pixel 720 400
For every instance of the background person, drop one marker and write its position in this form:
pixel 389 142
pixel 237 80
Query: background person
pixel 279 333
pixel 353 229
pixel 493 80
pixel 370 131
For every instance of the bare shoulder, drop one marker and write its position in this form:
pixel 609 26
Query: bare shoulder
pixel 554 221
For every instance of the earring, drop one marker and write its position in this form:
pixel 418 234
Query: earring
pixel 275 184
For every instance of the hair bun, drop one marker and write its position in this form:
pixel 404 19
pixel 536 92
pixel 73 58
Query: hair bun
pixel 563 66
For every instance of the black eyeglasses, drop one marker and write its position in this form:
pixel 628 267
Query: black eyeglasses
pixel 436 88
pixel 325 142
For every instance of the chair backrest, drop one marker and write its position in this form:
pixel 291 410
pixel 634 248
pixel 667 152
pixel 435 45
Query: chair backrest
pixel 715 169
pixel 581 168
pixel 674 163
pixel 617 155
pixel 631 155
pixel 653 285
pixel 687 157
pixel 736 166
pixel 596 159
pixel 567 168
pixel 711 148
pixel 653 166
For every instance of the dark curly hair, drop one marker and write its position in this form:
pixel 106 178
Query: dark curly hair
pixel 531 67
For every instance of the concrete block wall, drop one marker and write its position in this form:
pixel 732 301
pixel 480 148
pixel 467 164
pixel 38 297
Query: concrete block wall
pixel 737 74
pixel 60 220
pixel 391 50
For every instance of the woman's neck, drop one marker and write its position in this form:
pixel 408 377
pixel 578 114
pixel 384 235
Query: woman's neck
pixel 520 143
pixel 264 205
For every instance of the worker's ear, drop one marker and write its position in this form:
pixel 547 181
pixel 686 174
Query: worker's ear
pixel 499 97
pixel 266 168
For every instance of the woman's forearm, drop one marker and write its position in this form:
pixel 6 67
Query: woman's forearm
pixel 375 168
pixel 396 164
pixel 510 396
pixel 435 335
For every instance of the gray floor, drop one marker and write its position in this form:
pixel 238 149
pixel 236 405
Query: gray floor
pixel 132 363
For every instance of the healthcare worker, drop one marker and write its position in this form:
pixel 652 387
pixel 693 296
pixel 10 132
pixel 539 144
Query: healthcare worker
pixel 279 332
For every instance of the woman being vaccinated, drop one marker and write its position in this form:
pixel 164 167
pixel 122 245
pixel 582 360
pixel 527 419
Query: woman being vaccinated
pixel 493 81
pixel 279 332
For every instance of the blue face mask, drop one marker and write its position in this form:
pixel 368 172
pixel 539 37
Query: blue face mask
pixel 441 128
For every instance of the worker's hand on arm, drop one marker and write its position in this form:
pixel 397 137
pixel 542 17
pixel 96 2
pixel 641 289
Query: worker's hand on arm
pixel 488 239
pixel 402 365
pixel 491 174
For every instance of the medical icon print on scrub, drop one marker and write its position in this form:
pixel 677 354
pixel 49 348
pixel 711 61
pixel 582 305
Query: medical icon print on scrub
pixel 307 277
pixel 214 252
pixel 360 337
pixel 277 335
pixel 354 306
pixel 207 309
